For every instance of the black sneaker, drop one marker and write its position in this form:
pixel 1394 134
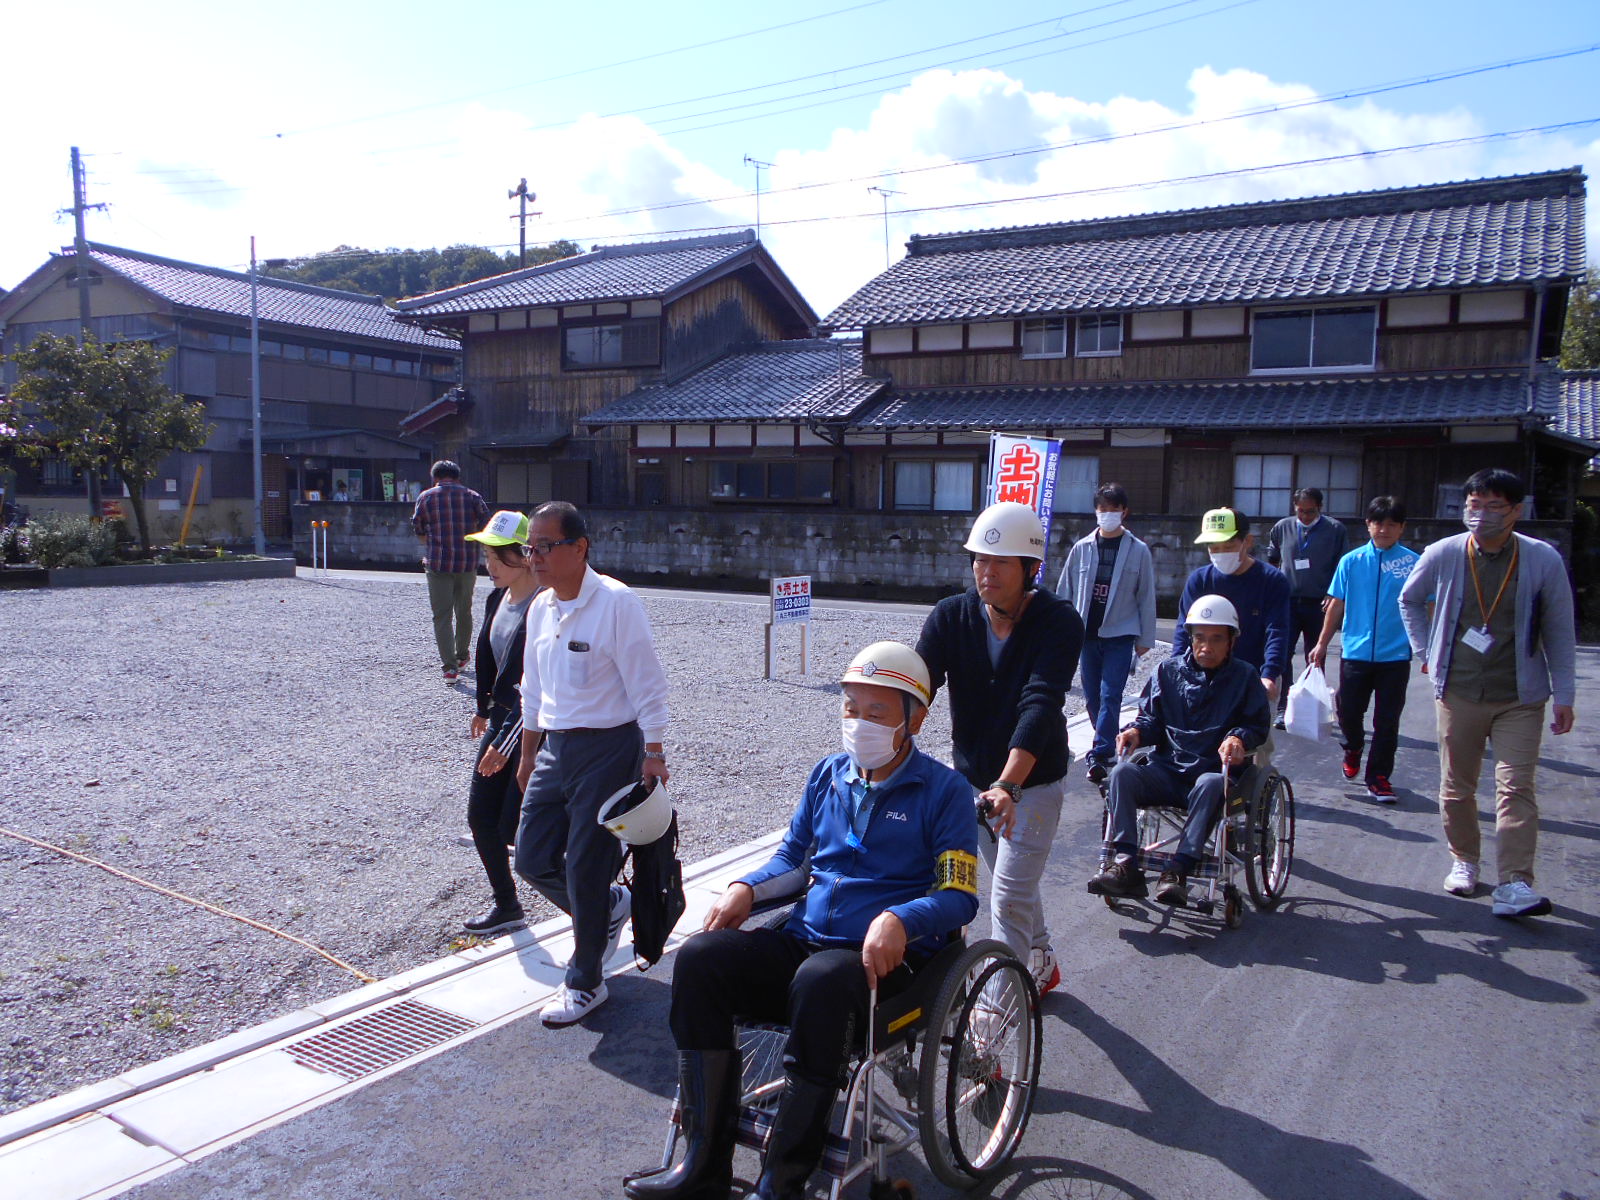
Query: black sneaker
pixel 497 920
pixel 1173 889
pixel 1120 878
pixel 1097 772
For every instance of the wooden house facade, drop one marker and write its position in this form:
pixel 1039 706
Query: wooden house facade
pixel 337 375
pixel 1380 342
pixel 545 346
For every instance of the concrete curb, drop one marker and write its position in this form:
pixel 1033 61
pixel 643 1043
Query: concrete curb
pixel 134 574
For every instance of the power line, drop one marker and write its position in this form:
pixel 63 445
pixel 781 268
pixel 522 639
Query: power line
pixel 1102 139
pixel 1110 189
pixel 573 74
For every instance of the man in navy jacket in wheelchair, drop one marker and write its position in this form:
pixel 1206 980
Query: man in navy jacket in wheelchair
pixel 884 843
pixel 1201 707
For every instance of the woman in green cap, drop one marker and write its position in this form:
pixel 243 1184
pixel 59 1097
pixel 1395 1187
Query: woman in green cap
pixel 494 803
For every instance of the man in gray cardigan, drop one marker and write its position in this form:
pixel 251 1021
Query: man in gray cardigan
pixel 1111 580
pixel 1500 643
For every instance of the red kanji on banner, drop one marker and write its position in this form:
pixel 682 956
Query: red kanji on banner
pixel 1018 478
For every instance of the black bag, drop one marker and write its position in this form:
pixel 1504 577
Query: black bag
pixel 658 899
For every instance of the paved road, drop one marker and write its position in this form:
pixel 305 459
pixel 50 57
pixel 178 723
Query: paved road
pixel 1373 1038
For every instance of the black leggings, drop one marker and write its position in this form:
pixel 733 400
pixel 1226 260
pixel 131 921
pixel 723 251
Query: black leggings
pixel 494 805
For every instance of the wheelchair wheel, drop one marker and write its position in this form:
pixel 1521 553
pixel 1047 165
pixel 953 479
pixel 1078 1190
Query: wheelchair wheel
pixel 980 1065
pixel 1266 870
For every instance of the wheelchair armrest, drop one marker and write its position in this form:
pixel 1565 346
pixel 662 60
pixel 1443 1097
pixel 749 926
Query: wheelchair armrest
pixel 902 1015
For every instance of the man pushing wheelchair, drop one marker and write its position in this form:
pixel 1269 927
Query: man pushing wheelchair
pixel 1202 706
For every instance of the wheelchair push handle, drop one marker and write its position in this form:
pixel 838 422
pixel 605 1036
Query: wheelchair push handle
pixel 985 811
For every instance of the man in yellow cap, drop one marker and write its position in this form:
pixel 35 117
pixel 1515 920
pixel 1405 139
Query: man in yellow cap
pixel 1258 591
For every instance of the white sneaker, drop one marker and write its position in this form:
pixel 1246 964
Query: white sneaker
pixel 1044 968
pixel 571 1005
pixel 621 910
pixel 1517 899
pixel 1463 878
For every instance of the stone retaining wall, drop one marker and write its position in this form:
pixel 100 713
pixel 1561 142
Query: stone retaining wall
pixel 889 555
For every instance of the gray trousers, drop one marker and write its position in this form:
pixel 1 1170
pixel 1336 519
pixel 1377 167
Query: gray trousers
pixel 562 850
pixel 450 598
pixel 1156 781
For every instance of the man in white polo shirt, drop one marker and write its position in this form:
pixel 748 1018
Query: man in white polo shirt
pixel 594 702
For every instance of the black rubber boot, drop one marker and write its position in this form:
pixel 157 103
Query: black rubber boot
pixel 798 1137
pixel 708 1093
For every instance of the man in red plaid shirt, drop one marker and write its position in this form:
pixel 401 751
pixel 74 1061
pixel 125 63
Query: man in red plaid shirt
pixel 443 517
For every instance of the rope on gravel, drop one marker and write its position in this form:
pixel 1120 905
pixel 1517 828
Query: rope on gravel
pixel 211 908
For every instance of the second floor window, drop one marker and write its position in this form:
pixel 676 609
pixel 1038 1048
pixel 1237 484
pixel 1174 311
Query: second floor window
pixel 1308 339
pixel 1099 335
pixel 634 343
pixel 1044 337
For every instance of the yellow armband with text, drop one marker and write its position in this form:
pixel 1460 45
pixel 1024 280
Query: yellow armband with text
pixel 956 869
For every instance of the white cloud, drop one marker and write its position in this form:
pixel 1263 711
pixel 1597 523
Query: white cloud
pixel 443 180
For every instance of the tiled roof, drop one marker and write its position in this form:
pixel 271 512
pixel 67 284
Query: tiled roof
pixel 630 272
pixel 774 381
pixel 1579 414
pixel 1494 232
pixel 280 302
pixel 1278 404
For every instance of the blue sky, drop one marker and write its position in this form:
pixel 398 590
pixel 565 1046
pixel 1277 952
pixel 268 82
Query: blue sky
pixel 403 124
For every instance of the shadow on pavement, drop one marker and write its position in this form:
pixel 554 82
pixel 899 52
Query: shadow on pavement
pixel 635 1043
pixel 1367 821
pixel 1178 1116
pixel 1034 1178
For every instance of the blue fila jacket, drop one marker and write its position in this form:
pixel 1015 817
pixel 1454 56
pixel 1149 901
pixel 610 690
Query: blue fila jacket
pixel 916 855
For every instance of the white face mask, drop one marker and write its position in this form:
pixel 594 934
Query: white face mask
pixel 1227 562
pixel 868 744
pixel 1109 522
pixel 1485 524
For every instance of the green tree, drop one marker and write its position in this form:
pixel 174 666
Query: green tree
pixel 104 406
pixel 394 273
pixel 1580 341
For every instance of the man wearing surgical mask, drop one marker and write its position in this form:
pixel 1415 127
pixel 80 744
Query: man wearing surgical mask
pixel 1500 642
pixel 1259 592
pixel 1110 579
pixel 885 838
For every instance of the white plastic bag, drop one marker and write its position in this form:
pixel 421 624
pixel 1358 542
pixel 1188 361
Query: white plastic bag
pixel 1310 706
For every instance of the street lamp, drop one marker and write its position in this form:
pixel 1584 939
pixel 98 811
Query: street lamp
pixel 255 393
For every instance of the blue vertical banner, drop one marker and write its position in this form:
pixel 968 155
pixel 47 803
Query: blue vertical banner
pixel 1023 470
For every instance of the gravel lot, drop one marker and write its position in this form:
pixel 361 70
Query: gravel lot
pixel 284 749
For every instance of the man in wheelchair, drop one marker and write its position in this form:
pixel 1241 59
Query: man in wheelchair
pixel 1201 706
pixel 887 838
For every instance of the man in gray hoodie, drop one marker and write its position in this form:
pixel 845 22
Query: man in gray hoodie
pixel 1500 643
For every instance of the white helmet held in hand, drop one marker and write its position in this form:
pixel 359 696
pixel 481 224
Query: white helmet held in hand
pixel 1213 610
pixel 637 814
pixel 892 665
pixel 1008 529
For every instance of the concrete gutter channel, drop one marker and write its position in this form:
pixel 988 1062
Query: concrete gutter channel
pixel 105 1138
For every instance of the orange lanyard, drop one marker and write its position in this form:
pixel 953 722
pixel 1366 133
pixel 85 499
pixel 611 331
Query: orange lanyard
pixel 1472 565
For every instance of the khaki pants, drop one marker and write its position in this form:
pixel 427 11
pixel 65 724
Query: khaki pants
pixel 450 598
pixel 1464 727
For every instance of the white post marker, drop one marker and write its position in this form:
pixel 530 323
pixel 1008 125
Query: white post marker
pixel 791 605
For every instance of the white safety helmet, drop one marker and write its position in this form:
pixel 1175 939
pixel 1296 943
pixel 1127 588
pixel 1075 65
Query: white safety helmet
pixel 1007 528
pixel 637 814
pixel 891 664
pixel 1213 610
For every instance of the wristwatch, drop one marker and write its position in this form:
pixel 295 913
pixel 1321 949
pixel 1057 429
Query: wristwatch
pixel 658 755
pixel 1014 790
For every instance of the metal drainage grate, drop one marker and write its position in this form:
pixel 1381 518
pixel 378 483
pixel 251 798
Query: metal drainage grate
pixel 379 1039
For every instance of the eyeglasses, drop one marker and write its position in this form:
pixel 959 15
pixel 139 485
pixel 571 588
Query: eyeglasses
pixel 544 548
pixel 1498 507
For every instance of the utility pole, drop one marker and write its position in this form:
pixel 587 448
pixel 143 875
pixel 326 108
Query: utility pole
pixel 522 195
pixel 80 246
pixel 255 394
pixel 885 193
pixel 759 166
